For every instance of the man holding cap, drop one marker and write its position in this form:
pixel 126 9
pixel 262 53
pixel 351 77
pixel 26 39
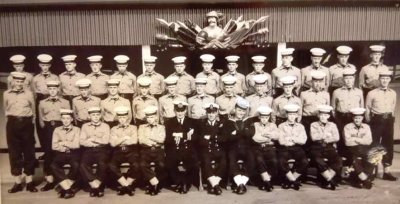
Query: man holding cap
pixel 98 78
pixel 227 100
pixel 94 139
pixel 380 106
pixel 143 100
pixel 82 103
pixel 69 78
pixel 124 141
pixel 18 64
pixel 196 103
pixel 324 135
pixel 240 80
pixel 185 82
pixel 181 158
pixel 49 119
pixel 166 105
pixel 316 58
pixel 19 108
pixel 258 65
pixel 286 69
pixel 259 97
pixel 369 74
pixel 212 87
pixel 65 145
pixel 127 85
pixel 157 86
pixel 336 70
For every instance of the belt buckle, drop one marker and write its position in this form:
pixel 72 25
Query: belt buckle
pixel 67 151
pixel 52 123
pixel 152 147
pixel 385 116
pixel 124 148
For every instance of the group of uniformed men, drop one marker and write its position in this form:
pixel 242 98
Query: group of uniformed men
pixel 232 126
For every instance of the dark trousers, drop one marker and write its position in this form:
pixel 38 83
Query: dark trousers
pixel 21 145
pixel 266 160
pixel 366 91
pixel 359 159
pixel 174 166
pixel 294 152
pixel 39 97
pixel 69 98
pixel 128 154
pixel 306 121
pixel 94 155
pixel 213 162
pixel 341 120
pixel 155 155
pixel 244 154
pixel 128 96
pixel 382 129
pixel 47 137
pixel 62 158
pixel 319 152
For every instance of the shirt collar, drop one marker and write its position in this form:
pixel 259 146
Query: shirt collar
pixel 17 91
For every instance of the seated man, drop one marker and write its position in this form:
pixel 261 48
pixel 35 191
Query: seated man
pixel 151 138
pixel 65 145
pixel 124 140
pixel 292 138
pixel 324 135
pixel 264 135
pixel 357 138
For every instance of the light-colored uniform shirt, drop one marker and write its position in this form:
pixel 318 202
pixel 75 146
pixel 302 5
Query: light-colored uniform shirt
pixel 292 134
pixel 151 135
pixel 157 85
pixel 240 85
pixel 166 105
pixel 93 135
pixel 213 86
pixel 279 103
pixel 328 132
pixel 185 85
pixel 68 81
pixel 99 83
pixel 312 99
pixel 250 82
pixel 226 103
pixel 256 101
pixel 65 138
pixel 196 103
pixel 336 74
pixel 139 103
pixel 282 71
pixel 27 81
pixel 265 134
pixel 354 135
pixel 306 76
pixel 19 103
pixel 40 82
pixel 49 108
pixel 80 106
pixel 122 135
pixel 380 101
pixel 369 75
pixel 110 103
pixel 344 99
pixel 127 85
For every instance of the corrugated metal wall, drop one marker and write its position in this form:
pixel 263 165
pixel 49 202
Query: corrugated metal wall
pixel 138 26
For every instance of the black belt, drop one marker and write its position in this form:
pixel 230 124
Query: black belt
pixel 53 123
pixel 19 118
pixel 125 148
pixel 323 144
pixel 153 147
pixel 69 151
pixel 266 145
pixel 344 115
pixel 383 115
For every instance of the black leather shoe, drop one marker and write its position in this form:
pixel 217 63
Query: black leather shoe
pixel 241 189
pixel 100 192
pixel 153 190
pixel 217 190
pixel 93 192
pixel 296 185
pixel 69 194
pixel 47 187
pixel 267 186
pixel 15 188
pixel 286 184
pixel 332 185
pixel 129 190
pixel 61 193
pixel 210 190
pixel 178 188
pixel 31 187
pixel 185 188
pixel 120 190
pixel 389 177
pixel 367 184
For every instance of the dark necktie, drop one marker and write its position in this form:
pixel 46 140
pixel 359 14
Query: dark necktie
pixel 66 129
pixel 46 75
pixel 97 75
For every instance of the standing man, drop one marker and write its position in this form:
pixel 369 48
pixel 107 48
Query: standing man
pixel 19 108
pixel 185 83
pixel 258 65
pixel 212 87
pixel 316 58
pixel 49 119
pixel 143 100
pixel 98 78
pixel 69 78
pixel 18 64
pixel 82 103
pixel 259 97
pixel 40 80
pixel 240 83
pixel 181 158
pixel 369 74
pixel 380 108
pixel 227 100
pixel 127 85
pixel 336 70
pixel 286 69
pixel 157 86
pixel 196 103
pixel 166 105
pixel 94 139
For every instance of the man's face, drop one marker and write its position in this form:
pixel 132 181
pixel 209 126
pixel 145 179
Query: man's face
pixel 180 114
pixel 264 119
pixel 149 67
pixel 144 90
pixel 84 92
pixel 291 117
pixel 95 117
pixel 19 67
pixel 122 119
pixel 258 67
pixel 66 120
pixel 212 21
pixel 376 57
pixel 349 81
pixel 323 117
pixel 228 89
pixel 122 67
pixel 240 113
pixel 179 68
pixel 287 89
pixel 259 88
pixel 200 88
pixel 151 119
pixel 212 115
pixel 317 84
pixel 232 66
pixel 343 59
pixel 53 91
pixel 171 89
pixel 96 66
pixel 287 60
pixel 207 66
pixel 316 60
pixel 44 67
pixel 112 90
pixel 18 83
pixel 70 66
pixel 385 80
pixel 358 119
